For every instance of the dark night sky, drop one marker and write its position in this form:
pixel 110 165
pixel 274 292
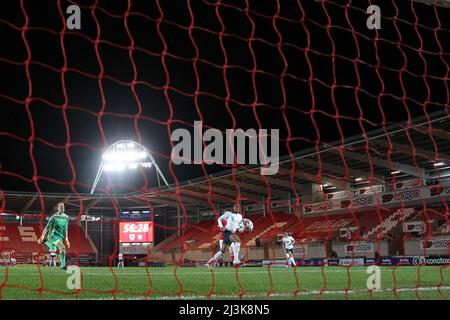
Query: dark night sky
pixel 327 69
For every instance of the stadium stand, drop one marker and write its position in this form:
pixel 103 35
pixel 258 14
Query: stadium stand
pixel 178 241
pixel 365 225
pixel 204 235
pixel 444 230
pixel 429 214
pixel 389 223
pixel 23 239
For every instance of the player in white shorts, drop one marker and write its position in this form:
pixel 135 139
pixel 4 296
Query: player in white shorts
pixel 288 243
pixel 120 264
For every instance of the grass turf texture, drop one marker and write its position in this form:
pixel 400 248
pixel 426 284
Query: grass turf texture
pixel 424 282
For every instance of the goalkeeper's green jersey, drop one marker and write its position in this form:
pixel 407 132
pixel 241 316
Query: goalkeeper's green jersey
pixel 57 226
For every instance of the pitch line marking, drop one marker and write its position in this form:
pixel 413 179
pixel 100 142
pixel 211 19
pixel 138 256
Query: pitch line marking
pixel 276 294
pixel 178 273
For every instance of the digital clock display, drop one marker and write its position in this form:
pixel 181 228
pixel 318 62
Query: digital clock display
pixel 136 231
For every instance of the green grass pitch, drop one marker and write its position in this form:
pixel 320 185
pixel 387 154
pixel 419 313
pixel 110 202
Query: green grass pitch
pixel 304 283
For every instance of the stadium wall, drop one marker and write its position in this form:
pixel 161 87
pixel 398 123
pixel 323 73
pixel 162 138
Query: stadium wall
pixel 271 252
pixel 382 247
pixel 102 235
pixel 436 246
pixel 413 247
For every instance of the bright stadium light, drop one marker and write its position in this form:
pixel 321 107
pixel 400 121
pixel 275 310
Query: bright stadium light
pixel 358 179
pixel 439 164
pixel 126 155
pixel 395 172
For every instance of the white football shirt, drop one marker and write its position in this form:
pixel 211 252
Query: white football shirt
pixel 288 242
pixel 232 219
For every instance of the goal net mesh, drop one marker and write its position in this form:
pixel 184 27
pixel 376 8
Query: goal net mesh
pixel 319 71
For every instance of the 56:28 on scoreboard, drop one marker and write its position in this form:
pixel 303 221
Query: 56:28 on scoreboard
pixel 136 231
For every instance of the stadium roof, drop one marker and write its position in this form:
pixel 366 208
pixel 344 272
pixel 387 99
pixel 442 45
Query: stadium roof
pixel 412 148
pixel 443 3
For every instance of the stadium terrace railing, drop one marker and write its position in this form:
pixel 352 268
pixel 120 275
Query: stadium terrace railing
pixel 404 197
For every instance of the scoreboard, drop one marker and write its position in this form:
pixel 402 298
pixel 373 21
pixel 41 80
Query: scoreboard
pixel 136 232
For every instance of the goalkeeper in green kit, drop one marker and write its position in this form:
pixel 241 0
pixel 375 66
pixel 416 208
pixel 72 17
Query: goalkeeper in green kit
pixel 55 235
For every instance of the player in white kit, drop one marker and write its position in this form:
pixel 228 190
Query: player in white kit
pixel 288 243
pixel 229 223
pixel 120 264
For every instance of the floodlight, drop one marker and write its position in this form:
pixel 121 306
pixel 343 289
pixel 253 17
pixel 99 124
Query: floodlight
pixel 133 165
pixel 124 155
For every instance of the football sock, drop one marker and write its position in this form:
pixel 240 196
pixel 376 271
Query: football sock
pixel 62 257
pixel 216 257
pixel 292 260
pixel 236 248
